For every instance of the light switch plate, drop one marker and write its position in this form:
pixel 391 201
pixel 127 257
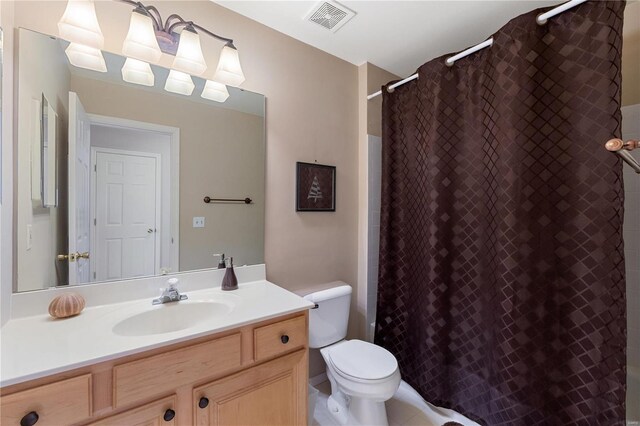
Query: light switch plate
pixel 198 222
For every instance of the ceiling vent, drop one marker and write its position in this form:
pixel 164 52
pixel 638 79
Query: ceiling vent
pixel 330 15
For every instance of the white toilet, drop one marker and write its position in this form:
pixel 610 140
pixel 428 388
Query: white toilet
pixel 363 376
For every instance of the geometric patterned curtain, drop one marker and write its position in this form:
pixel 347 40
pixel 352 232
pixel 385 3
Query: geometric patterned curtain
pixel 501 281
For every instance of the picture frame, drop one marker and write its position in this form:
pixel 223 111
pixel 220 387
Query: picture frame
pixel 315 187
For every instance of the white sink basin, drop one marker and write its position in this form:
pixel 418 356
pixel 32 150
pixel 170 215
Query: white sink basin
pixel 172 317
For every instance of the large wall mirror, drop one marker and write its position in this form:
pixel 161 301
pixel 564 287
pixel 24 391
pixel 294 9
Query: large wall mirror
pixel 112 175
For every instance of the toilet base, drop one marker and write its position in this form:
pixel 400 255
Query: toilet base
pixel 349 410
pixel 358 412
pixel 367 412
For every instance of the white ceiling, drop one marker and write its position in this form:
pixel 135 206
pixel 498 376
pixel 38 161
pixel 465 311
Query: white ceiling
pixel 398 36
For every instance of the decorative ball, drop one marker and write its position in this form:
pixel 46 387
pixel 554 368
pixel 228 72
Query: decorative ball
pixel 66 305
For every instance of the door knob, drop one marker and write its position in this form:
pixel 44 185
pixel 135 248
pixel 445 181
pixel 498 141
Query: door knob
pixel 71 257
pixel 150 231
pixel 84 255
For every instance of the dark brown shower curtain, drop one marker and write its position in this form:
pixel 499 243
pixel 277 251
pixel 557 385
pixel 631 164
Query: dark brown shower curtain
pixel 501 284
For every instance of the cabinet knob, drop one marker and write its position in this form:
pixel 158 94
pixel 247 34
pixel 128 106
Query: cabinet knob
pixel 30 419
pixel 284 339
pixel 203 402
pixel 169 415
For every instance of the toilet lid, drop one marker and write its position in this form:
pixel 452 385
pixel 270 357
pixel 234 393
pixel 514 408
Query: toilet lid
pixel 363 360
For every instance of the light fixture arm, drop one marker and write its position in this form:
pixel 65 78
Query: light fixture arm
pixel 184 23
pixel 157 20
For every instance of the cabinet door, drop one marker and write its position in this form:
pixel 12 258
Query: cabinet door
pixel 157 413
pixel 274 393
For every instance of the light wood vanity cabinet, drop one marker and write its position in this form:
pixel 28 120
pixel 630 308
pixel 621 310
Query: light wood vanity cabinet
pixel 252 375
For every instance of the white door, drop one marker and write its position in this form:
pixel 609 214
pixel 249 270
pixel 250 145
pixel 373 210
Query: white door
pixel 127 213
pixel 79 165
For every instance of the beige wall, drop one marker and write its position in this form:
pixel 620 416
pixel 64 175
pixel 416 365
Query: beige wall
pixel 36 265
pixel 631 54
pixel 221 154
pixel 312 114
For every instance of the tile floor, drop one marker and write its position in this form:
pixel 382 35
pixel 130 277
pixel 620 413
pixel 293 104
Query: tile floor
pixel 406 408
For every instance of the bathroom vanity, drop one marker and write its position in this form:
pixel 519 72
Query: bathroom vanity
pixel 245 364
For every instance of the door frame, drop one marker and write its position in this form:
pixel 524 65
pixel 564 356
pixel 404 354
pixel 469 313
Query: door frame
pixel 174 161
pixel 95 150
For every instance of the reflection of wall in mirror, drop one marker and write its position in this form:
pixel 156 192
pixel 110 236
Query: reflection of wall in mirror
pixel 36 258
pixel 221 154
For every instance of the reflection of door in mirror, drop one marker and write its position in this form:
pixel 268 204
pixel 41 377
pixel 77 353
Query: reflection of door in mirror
pixel 115 208
pixel 134 199
pixel 127 213
pixel 79 174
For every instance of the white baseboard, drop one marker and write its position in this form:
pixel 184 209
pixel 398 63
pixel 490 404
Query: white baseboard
pixel 316 380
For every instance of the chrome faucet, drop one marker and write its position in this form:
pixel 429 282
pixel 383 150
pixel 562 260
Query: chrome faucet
pixel 170 294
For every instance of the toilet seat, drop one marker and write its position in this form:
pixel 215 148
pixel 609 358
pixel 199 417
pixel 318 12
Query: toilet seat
pixel 362 361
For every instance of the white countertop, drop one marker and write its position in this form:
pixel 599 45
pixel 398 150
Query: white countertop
pixel 37 346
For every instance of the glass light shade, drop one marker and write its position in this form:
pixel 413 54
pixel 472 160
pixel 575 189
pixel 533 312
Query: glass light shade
pixel 137 72
pixel 79 24
pixel 215 91
pixel 229 70
pixel 189 56
pixel 141 40
pixel 179 82
pixel 86 57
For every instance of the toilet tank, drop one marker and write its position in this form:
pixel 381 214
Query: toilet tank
pixel 328 322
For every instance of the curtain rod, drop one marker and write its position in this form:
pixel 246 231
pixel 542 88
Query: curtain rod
pixel 540 19
pixel 622 148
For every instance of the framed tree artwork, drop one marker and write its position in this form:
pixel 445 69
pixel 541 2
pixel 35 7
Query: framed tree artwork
pixel 315 187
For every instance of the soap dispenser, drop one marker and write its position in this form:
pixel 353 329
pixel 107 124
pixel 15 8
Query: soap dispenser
pixel 229 282
pixel 222 262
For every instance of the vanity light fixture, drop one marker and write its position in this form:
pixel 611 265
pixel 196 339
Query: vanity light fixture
pixel 86 57
pixel 185 45
pixel 148 37
pixel 189 56
pixel 215 91
pixel 141 42
pixel 229 70
pixel 79 24
pixel 137 72
pixel 180 83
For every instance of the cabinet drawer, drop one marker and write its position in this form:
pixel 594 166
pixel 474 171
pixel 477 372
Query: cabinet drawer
pixel 161 412
pixel 64 402
pixel 283 336
pixel 162 373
